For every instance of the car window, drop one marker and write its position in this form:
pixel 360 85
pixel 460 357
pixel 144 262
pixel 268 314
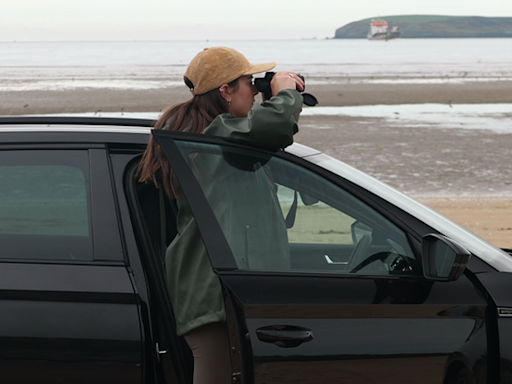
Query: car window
pixel 44 205
pixel 279 216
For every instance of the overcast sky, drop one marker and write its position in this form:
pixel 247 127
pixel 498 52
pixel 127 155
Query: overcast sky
pixel 36 20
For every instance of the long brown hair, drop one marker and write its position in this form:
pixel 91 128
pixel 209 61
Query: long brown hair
pixel 194 116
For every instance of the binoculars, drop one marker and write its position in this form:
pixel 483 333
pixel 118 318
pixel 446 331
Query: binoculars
pixel 263 85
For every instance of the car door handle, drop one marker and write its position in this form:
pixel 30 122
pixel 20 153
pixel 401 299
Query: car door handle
pixel 284 336
pixel 329 261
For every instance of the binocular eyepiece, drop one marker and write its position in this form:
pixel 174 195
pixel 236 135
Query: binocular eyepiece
pixel 263 85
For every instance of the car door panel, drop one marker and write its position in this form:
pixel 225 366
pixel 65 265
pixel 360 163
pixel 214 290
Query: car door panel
pixel 68 323
pixel 412 332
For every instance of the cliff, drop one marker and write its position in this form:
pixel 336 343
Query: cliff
pixel 434 26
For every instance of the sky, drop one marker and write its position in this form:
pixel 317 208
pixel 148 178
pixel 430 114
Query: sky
pixel 60 20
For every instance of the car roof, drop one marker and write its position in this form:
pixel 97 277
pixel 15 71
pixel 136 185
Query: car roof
pixel 64 129
pixel 76 129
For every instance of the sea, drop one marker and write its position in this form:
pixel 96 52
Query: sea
pixel 146 64
pixel 454 169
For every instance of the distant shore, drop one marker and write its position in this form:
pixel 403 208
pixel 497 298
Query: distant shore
pixel 435 26
pixel 336 92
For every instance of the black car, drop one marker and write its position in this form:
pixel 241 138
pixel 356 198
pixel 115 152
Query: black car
pixel 379 288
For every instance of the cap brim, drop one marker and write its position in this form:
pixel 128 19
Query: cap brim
pixel 259 68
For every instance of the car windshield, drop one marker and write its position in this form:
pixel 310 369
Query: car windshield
pixel 492 255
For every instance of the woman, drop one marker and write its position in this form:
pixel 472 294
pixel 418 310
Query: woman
pixel 220 80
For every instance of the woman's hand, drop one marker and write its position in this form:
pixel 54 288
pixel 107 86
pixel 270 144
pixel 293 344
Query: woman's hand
pixel 286 80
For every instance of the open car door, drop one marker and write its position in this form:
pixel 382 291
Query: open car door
pixel 345 300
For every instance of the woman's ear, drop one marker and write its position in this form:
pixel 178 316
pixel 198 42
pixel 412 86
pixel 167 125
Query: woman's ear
pixel 225 93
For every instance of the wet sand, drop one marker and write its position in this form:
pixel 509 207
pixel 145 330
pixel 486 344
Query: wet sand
pixel 338 93
pixel 465 175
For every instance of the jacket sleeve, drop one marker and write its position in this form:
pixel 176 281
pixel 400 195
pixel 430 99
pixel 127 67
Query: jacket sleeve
pixel 271 124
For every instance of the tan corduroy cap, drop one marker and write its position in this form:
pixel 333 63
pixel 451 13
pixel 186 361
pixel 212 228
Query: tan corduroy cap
pixel 219 65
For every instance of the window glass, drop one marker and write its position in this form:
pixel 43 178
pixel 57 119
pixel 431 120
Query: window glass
pixel 279 216
pixel 492 255
pixel 316 222
pixel 44 209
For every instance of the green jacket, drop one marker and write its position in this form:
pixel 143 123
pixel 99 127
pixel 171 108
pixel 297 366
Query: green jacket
pixel 246 206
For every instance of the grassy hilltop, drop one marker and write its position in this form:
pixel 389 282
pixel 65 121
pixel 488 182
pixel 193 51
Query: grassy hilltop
pixel 434 26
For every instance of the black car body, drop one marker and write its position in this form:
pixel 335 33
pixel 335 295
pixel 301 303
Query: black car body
pixel 380 289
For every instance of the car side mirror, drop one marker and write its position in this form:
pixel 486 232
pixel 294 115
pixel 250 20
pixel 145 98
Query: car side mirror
pixel 443 259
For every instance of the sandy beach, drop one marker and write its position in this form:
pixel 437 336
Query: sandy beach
pixel 416 158
pixel 488 217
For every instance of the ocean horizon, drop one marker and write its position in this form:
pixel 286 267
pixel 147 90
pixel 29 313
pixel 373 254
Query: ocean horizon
pixel 149 64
